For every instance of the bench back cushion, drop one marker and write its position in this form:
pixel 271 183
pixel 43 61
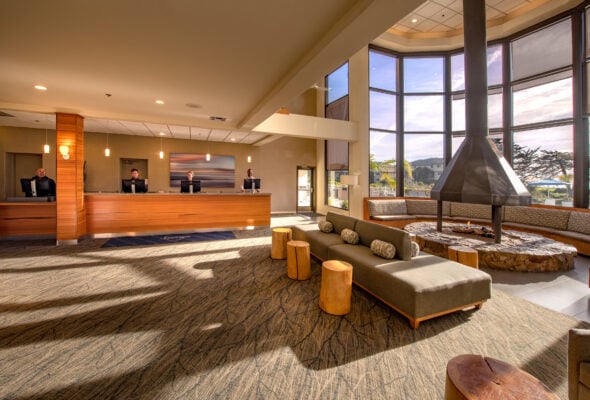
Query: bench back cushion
pixel 387 207
pixel 468 210
pixel 579 222
pixel 369 231
pixel 426 207
pixel 341 221
pixel 557 219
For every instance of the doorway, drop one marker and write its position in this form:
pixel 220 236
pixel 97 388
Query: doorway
pixel 305 189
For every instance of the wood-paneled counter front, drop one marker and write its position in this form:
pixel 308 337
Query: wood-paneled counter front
pixel 161 212
pixel 28 219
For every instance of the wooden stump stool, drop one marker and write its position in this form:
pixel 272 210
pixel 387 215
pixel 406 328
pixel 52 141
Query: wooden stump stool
pixel 298 263
pixel 280 237
pixel 336 287
pixel 471 377
pixel 464 255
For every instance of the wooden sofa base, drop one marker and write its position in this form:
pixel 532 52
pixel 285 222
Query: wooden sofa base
pixel 414 322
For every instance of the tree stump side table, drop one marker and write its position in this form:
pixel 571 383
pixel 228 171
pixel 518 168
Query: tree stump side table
pixel 336 287
pixel 471 376
pixel 298 262
pixel 464 255
pixel 280 237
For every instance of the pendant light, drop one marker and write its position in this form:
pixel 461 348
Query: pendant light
pixel 208 155
pixel 46 145
pixel 161 151
pixel 107 150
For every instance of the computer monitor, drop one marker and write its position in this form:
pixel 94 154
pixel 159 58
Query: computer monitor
pixel 251 183
pixel 37 187
pixel 128 185
pixel 186 184
pixel 25 185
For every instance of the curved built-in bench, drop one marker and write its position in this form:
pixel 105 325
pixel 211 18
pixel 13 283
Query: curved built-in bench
pixel 564 224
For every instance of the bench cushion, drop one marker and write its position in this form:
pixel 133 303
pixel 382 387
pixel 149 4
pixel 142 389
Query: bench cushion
pixel 557 219
pixel 426 207
pixel 387 207
pixel 467 210
pixel 579 222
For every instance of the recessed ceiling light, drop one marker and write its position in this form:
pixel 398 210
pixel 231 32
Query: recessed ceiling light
pixel 162 134
pixel 40 87
pixel 414 20
pixel 233 139
pixel 159 101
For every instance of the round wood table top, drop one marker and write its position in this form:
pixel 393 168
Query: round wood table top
pixel 471 376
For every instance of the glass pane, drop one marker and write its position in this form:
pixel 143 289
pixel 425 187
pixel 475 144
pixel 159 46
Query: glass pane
pixel 546 102
pixel 458 107
pixel 382 111
pixel 382 71
pixel 543 160
pixel 423 113
pixel 495 112
pixel 337 193
pixel 423 163
pixel 543 50
pixel 495 65
pixel 587 21
pixel 494 54
pixel 382 177
pixel 458 72
pixel 423 75
pixel 338 109
pixel 337 83
pixel 336 155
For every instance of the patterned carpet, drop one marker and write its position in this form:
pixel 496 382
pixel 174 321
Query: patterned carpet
pixel 221 320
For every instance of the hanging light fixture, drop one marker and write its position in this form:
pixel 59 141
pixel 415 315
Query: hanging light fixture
pixel 107 150
pixel 46 145
pixel 208 156
pixel 161 151
pixel 249 159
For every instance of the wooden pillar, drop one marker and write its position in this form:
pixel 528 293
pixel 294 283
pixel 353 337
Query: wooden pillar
pixel 71 215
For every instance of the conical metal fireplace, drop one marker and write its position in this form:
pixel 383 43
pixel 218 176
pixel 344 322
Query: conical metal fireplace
pixel 478 173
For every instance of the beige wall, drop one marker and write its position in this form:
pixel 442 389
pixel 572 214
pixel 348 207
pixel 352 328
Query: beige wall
pixel 25 141
pixel 275 163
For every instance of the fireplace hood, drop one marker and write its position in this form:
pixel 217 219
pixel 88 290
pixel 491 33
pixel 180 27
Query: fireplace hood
pixel 478 173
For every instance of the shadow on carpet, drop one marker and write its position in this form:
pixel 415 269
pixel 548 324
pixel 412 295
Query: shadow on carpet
pixel 168 239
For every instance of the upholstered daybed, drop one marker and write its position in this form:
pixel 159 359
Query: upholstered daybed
pixel 420 287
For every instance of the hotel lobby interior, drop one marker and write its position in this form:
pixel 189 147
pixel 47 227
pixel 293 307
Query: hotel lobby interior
pixel 319 99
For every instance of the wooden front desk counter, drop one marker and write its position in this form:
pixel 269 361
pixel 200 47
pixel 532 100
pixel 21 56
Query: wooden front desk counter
pixel 27 218
pixel 160 212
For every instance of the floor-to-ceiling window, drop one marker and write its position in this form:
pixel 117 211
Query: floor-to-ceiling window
pixel 530 107
pixel 542 101
pixel 337 150
pixel 383 121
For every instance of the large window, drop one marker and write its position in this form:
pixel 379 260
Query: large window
pixel 410 104
pixel 337 150
pixel 542 109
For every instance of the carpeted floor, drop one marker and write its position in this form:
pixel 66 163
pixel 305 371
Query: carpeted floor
pixel 221 320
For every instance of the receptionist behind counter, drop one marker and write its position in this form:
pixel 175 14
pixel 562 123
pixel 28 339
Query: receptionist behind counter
pixel 39 185
pixel 134 185
pixel 190 185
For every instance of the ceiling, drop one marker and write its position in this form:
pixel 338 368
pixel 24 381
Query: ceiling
pixel 221 67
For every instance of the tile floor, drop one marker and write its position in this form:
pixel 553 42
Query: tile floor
pixel 566 292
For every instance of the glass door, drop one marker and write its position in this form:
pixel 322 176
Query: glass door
pixel 305 186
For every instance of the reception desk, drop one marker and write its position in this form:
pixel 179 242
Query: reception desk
pixel 164 212
pixel 24 218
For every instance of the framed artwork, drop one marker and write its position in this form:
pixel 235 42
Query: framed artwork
pixel 219 172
